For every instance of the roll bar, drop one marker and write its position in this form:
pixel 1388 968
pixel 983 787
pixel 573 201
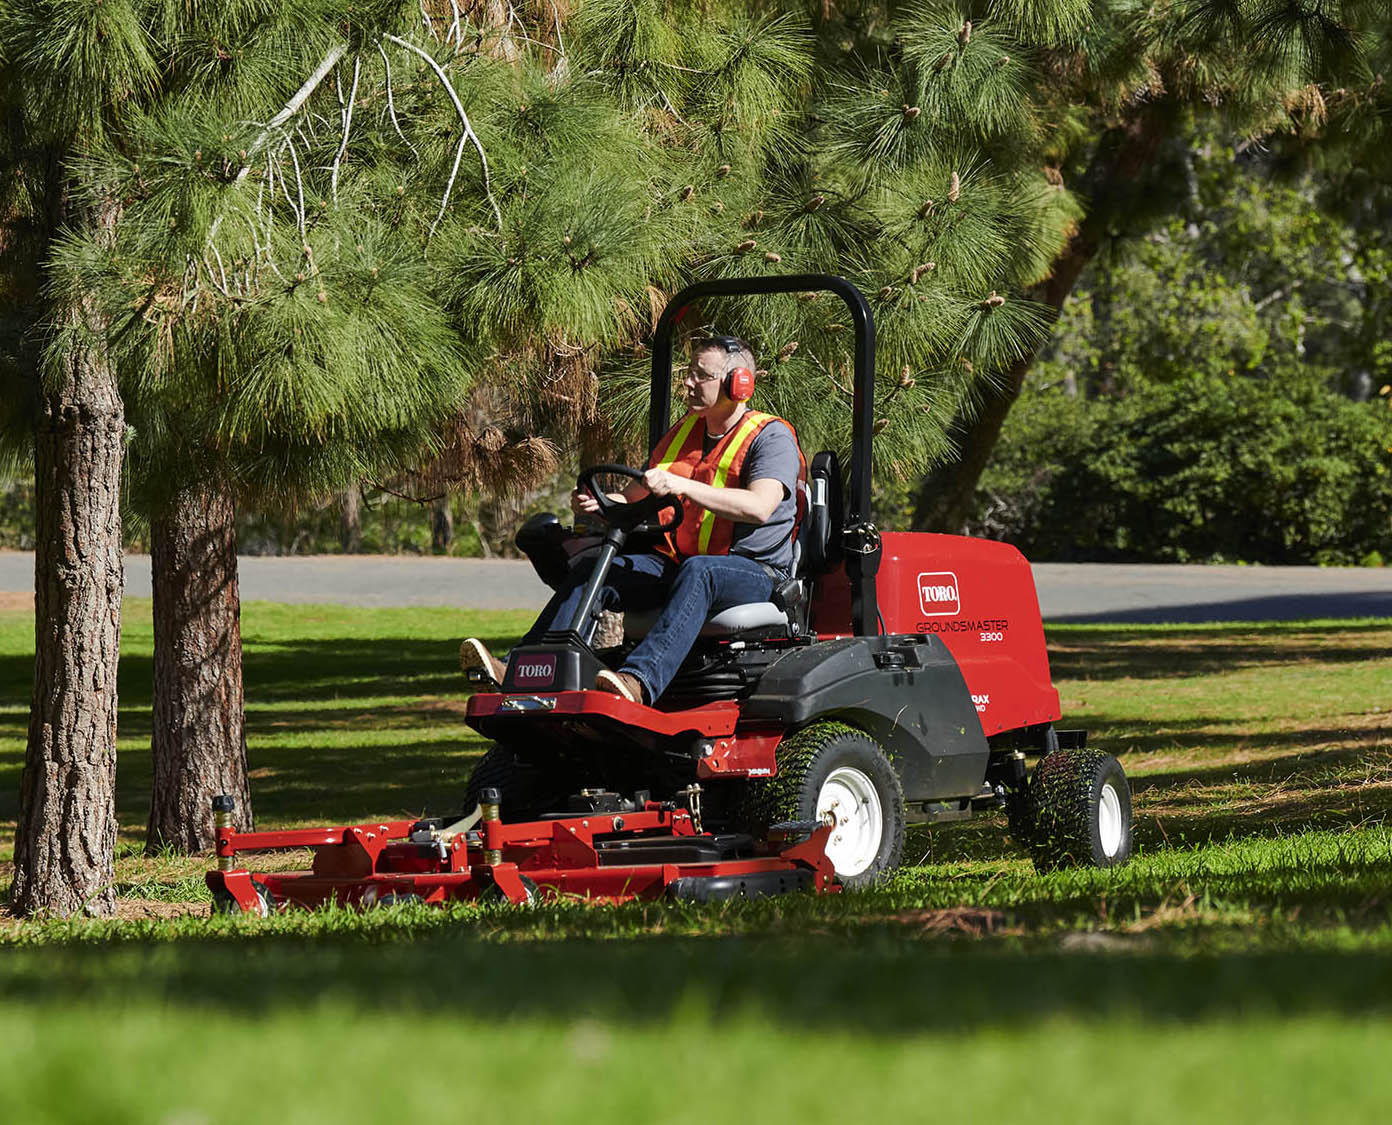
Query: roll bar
pixel 862 541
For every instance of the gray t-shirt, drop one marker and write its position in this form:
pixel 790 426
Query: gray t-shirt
pixel 773 455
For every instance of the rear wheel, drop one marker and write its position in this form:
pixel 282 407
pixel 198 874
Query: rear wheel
pixel 1079 811
pixel 830 770
pixel 522 798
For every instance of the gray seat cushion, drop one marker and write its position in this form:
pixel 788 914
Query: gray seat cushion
pixel 726 623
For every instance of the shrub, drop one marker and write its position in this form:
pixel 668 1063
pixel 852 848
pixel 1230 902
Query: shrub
pixel 1208 468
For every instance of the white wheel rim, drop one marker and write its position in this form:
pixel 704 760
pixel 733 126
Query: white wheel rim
pixel 850 797
pixel 1109 826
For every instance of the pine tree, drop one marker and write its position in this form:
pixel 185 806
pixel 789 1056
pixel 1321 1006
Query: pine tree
pixel 66 73
pixel 1121 91
pixel 274 323
pixel 156 306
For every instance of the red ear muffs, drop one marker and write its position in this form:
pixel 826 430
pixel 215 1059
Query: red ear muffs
pixel 739 384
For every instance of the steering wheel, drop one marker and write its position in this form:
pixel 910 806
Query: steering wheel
pixel 639 517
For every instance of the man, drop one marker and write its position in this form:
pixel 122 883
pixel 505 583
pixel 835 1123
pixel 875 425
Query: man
pixel 736 472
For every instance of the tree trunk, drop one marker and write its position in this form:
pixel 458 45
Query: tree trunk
pixel 199 736
pixel 66 835
pixel 1116 178
pixel 949 494
pixel 350 520
pixel 441 525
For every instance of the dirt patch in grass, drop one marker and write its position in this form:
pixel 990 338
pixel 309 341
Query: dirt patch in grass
pixel 13 600
pixel 967 921
pixel 140 909
pixel 128 910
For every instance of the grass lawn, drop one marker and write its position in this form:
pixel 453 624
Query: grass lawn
pixel 1240 966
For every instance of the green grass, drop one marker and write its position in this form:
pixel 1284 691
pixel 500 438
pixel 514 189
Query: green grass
pixel 1239 966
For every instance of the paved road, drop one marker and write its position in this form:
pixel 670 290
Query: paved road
pixel 1067 592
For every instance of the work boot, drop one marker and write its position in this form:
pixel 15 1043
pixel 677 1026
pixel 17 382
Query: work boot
pixel 623 684
pixel 473 653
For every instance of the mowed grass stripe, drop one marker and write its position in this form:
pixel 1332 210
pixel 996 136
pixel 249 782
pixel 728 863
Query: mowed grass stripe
pixel 1260 756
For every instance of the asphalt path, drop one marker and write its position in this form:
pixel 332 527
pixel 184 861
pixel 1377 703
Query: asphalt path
pixel 1097 592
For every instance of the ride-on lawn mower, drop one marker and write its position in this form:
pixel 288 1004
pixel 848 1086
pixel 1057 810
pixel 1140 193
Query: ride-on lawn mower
pixel 891 679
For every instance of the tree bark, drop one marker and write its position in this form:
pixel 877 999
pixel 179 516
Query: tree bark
pixel 199 735
pixel 441 525
pixel 1115 180
pixel 350 520
pixel 66 835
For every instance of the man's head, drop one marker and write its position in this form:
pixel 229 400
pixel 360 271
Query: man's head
pixel 714 359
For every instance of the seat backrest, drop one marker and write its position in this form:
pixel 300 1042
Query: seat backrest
pixel 820 534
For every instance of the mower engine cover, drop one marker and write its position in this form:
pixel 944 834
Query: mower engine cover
pixel 978 596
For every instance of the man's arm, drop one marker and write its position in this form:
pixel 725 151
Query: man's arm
pixel 769 476
pixel 755 504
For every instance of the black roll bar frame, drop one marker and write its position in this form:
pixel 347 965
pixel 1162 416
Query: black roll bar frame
pixel 862 541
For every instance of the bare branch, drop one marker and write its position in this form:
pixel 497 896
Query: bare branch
pixel 269 257
pixel 455 32
pixel 326 64
pixel 1275 295
pixel 391 105
pixel 212 277
pixel 449 187
pixel 556 17
pixel 469 135
pixel 299 183
pixel 221 269
pixel 563 67
pixel 347 112
pixel 421 500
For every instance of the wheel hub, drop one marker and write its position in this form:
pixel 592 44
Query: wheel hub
pixel 1109 826
pixel 850 798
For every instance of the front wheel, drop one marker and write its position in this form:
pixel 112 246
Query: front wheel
pixel 1079 807
pixel 830 771
pixel 224 903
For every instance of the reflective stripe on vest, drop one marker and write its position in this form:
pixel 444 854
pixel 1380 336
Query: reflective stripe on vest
pixel 670 447
pixel 750 425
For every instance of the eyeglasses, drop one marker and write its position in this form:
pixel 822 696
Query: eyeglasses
pixel 696 375
pixel 728 344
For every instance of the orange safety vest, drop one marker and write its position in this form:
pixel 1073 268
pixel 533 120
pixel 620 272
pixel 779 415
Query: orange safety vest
pixel 681 451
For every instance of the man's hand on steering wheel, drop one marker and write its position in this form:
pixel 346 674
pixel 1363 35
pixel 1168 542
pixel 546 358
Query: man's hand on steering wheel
pixel 662 483
pixel 582 503
pixel 653 513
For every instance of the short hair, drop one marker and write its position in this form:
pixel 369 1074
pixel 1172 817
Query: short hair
pixel 728 345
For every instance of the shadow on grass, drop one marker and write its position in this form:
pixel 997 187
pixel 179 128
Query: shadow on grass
pixel 880 986
pixel 1112 653
pixel 1271 607
pixel 1165 735
pixel 363 782
pixel 311 782
pixel 1368 761
pixel 307 670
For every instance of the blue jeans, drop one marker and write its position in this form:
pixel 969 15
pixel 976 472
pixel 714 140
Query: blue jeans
pixel 692 591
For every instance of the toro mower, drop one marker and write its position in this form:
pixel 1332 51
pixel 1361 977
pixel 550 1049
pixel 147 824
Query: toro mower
pixel 894 678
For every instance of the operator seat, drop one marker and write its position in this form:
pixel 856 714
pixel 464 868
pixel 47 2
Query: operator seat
pixel 816 549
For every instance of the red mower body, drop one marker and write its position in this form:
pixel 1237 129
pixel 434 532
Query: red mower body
pixel 978 596
pixel 653 853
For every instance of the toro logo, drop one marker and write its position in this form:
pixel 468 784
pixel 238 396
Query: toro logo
pixel 535 671
pixel 938 595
